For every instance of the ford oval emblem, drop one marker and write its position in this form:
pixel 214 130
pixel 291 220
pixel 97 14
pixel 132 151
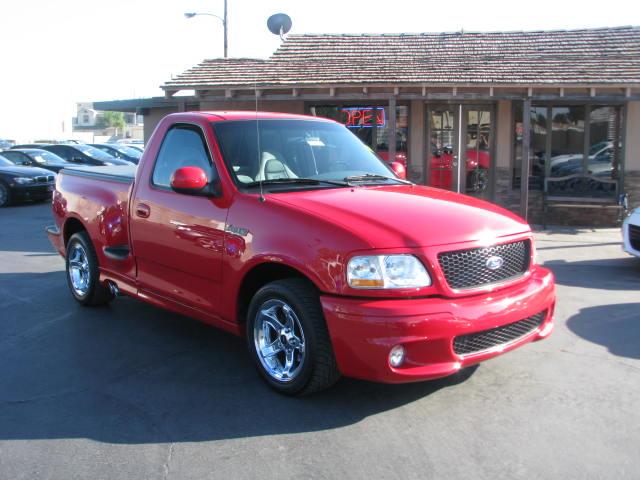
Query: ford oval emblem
pixel 494 263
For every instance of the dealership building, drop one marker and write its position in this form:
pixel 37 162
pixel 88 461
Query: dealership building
pixel 465 111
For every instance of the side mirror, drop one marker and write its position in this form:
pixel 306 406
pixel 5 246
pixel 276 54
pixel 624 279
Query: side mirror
pixel 194 181
pixel 399 170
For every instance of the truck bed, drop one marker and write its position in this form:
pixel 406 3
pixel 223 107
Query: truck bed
pixel 120 173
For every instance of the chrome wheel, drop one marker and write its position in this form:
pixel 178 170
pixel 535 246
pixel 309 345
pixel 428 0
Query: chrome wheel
pixel 79 272
pixel 279 340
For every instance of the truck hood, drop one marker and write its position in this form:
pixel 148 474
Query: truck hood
pixel 406 216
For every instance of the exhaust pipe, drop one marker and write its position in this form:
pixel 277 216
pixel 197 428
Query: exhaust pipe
pixel 113 288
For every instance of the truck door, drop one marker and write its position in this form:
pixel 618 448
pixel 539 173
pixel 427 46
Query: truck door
pixel 177 238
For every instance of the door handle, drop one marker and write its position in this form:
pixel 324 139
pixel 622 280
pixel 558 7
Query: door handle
pixel 143 210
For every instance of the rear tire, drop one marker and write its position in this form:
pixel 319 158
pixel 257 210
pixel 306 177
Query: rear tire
pixel 83 273
pixel 285 317
pixel 5 194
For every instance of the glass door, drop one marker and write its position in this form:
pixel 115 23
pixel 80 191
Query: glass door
pixel 477 128
pixel 442 148
pixel 460 132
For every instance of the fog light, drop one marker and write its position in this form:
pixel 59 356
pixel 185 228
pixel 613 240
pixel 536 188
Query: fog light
pixel 396 356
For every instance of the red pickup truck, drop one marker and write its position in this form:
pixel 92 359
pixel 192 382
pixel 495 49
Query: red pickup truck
pixel 286 229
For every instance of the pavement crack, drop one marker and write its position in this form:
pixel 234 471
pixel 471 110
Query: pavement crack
pixel 167 463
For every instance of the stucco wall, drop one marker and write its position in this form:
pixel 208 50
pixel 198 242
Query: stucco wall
pixel 152 119
pixel 156 114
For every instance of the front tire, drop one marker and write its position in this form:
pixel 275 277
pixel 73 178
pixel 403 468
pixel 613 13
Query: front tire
pixel 5 194
pixel 83 274
pixel 288 338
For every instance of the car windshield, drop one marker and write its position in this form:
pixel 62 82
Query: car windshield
pixel 42 156
pixel 131 152
pixel 93 152
pixel 298 149
pixel 5 163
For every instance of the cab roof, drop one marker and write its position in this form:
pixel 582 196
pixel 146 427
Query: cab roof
pixel 229 115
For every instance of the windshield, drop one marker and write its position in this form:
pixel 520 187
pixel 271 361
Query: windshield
pixel 5 163
pixel 42 156
pixel 130 152
pixel 291 149
pixel 93 152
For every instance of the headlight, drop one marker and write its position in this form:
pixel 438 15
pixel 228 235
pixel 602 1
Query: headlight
pixel 23 180
pixel 387 271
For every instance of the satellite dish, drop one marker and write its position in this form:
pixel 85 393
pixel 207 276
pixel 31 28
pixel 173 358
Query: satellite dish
pixel 279 24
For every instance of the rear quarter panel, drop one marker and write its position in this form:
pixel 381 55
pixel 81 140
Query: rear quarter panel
pixel 101 206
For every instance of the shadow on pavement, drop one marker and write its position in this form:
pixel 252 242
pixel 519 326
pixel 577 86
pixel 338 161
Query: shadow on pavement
pixel 616 327
pixel 131 373
pixel 608 274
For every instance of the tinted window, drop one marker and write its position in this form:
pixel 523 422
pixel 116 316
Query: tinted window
pixel 17 158
pixel 63 152
pixel 183 146
pixel 93 152
pixel 4 162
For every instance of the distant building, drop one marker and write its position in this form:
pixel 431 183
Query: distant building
pixel 91 121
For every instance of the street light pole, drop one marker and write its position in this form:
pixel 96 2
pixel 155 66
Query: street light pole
pixel 224 24
pixel 222 19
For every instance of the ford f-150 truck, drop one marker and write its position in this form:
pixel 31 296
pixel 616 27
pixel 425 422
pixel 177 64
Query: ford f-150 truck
pixel 288 230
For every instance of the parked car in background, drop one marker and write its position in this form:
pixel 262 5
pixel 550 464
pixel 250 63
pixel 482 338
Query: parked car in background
pixel 119 150
pixel 30 145
pixel 24 183
pixel 36 157
pixel 6 144
pixel 84 154
pixel 631 233
pixel 135 146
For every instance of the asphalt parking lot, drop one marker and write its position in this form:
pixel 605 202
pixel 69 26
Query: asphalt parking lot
pixel 130 391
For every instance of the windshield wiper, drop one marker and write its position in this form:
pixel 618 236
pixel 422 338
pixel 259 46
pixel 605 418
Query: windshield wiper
pixel 371 176
pixel 298 180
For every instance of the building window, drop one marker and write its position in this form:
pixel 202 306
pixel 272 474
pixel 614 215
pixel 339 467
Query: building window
pixel 567 140
pixel 85 118
pixel 371 125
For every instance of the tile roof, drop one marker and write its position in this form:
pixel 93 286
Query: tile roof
pixel 587 56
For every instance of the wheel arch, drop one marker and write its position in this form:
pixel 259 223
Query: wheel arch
pixel 72 225
pixel 258 276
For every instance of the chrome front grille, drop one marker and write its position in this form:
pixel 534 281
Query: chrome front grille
pixel 486 339
pixel 476 267
pixel 634 236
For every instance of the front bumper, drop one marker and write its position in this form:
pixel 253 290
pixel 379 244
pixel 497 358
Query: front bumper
pixel 31 192
pixel 363 331
pixel 627 244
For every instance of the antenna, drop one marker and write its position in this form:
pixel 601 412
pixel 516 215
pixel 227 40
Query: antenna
pixel 279 24
pixel 260 169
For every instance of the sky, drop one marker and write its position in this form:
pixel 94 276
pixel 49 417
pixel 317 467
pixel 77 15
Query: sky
pixel 53 54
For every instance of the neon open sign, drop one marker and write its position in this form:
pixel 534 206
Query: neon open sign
pixel 358 117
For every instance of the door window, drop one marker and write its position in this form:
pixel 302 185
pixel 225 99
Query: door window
pixel 183 146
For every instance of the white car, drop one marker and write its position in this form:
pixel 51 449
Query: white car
pixel 631 233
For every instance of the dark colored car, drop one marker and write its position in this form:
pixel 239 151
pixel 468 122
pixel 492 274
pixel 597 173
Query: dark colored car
pixel 122 152
pixel 36 157
pixel 29 145
pixel 85 155
pixel 24 183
